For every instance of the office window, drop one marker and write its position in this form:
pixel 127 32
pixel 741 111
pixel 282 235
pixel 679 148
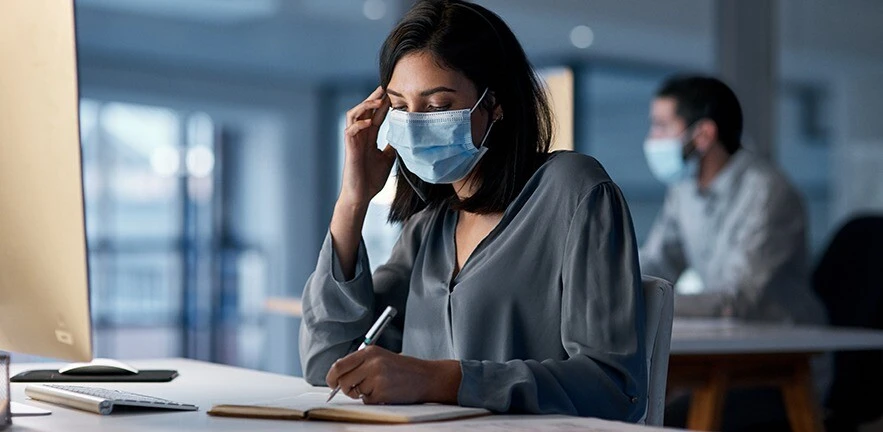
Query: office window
pixel 130 162
pixel 166 278
pixel 803 152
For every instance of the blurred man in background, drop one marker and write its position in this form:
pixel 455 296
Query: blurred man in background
pixel 729 216
pixel 732 220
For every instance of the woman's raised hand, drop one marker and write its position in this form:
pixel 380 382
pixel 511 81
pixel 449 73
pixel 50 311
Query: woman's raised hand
pixel 366 167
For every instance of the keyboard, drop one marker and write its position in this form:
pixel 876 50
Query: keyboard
pixel 99 400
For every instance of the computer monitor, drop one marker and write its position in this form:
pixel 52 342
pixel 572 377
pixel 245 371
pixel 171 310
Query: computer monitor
pixel 44 290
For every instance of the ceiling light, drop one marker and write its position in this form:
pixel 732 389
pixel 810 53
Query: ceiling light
pixel 166 161
pixel 374 9
pixel 200 161
pixel 582 36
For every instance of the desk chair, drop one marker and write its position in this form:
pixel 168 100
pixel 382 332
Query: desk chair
pixel 659 299
pixel 847 279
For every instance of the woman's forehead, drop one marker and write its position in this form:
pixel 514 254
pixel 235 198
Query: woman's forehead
pixel 417 73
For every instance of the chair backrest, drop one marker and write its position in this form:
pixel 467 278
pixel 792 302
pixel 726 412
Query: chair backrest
pixel 847 277
pixel 659 299
pixel 847 280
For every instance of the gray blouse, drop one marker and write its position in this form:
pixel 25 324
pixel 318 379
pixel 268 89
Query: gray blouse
pixel 546 315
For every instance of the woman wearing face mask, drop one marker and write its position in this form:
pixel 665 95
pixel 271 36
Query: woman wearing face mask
pixel 516 274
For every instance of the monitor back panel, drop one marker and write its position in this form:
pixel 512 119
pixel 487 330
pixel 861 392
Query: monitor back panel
pixel 44 297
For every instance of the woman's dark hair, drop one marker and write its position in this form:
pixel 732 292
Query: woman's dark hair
pixel 474 41
pixel 699 97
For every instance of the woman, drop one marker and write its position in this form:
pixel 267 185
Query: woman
pixel 516 274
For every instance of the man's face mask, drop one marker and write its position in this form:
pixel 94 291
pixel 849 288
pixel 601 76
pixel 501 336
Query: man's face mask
pixel 437 146
pixel 671 159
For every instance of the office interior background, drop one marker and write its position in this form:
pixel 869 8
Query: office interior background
pixel 211 134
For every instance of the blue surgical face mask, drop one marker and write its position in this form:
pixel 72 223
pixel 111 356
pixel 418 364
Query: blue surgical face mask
pixel 669 159
pixel 436 146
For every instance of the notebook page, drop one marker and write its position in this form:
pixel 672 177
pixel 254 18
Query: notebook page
pixel 423 412
pixel 353 409
pixel 292 406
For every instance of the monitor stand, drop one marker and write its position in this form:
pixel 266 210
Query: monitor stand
pixel 98 366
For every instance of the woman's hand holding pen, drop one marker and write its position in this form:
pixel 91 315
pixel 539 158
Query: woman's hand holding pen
pixel 365 171
pixel 379 376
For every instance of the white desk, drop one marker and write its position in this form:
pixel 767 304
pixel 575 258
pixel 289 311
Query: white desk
pixel 710 356
pixel 206 384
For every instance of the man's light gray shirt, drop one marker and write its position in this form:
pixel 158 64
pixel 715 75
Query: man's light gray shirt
pixel 745 235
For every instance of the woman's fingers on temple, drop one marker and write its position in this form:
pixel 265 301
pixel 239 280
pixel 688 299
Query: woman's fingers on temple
pixel 380 111
pixel 357 127
pixel 375 94
pixel 363 110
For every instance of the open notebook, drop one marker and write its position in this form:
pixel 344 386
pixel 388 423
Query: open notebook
pixel 313 406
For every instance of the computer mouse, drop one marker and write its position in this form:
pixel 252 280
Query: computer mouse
pixel 99 366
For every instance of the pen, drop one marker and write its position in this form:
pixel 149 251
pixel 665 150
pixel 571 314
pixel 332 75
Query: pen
pixel 372 336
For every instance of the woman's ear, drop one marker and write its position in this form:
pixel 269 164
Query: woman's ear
pixel 498 113
pixel 495 109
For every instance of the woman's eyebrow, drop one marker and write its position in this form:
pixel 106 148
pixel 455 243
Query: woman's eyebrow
pixel 425 93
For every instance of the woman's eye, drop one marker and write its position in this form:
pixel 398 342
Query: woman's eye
pixel 430 108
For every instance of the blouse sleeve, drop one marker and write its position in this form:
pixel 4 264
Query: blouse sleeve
pixel 338 312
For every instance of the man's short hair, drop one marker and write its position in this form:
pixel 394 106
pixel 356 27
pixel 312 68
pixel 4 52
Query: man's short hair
pixel 701 97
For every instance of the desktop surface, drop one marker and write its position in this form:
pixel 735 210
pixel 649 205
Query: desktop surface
pixel 206 384
pixel 199 383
